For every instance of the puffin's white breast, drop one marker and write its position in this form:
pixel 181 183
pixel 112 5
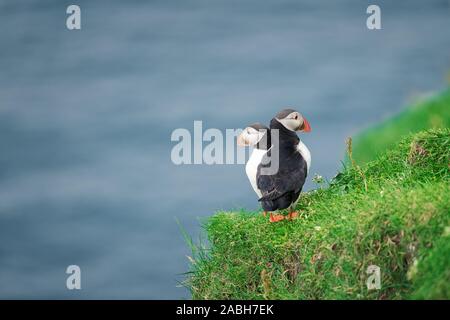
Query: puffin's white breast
pixel 251 168
pixel 301 147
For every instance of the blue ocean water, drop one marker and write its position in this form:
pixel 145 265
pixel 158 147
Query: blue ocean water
pixel 86 117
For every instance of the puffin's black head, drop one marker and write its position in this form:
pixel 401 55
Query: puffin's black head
pixel 256 135
pixel 293 120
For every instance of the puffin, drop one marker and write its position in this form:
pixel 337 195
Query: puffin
pixel 255 135
pixel 281 189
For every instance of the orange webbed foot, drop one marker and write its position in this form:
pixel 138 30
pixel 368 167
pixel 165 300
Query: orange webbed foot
pixel 276 217
pixel 293 215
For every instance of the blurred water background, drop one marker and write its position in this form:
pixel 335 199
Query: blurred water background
pixel 86 118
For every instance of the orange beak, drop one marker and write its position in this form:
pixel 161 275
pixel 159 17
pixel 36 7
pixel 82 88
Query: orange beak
pixel 306 126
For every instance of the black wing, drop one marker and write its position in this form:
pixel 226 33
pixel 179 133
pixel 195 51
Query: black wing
pixel 290 177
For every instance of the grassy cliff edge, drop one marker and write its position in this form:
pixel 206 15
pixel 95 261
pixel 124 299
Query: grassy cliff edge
pixel 393 212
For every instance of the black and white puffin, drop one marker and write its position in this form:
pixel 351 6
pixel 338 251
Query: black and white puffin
pixel 255 135
pixel 281 189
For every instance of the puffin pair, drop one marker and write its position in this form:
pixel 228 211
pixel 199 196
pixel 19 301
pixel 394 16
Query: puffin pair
pixel 281 146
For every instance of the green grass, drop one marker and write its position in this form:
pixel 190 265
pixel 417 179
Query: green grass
pixel 393 212
pixel 399 224
pixel 433 113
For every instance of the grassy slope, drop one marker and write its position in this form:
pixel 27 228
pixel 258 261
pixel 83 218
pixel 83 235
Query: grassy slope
pixel 434 113
pixel 401 223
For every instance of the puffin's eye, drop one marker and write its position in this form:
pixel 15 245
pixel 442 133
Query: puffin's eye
pixel 296 117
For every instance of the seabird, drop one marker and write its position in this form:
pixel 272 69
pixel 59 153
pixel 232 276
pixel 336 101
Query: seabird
pixel 281 190
pixel 255 135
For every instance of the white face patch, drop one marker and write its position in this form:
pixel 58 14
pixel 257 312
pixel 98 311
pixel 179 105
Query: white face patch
pixel 250 137
pixel 292 121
